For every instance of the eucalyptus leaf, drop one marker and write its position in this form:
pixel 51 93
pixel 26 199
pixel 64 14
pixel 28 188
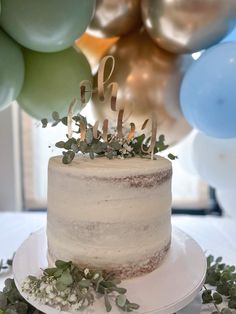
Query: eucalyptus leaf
pixel 44 123
pixel 66 278
pixel 75 148
pixel 226 311
pixel 172 157
pixel 55 116
pixel 64 121
pixel 3 301
pixel 107 302
pixel 217 298
pixel 91 155
pixel 115 145
pixel 60 144
pixel 50 271
pixel 219 259
pixel 120 290
pixel 62 265
pixel 84 283
pixel 83 147
pixel 89 136
pixel 60 286
pixel 68 157
pixel 121 300
pixel 55 123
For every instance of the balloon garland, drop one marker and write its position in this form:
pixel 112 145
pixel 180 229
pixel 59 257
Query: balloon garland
pixel 151 63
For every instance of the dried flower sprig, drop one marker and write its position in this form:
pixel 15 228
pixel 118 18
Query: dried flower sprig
pixel 89 140
pixel 67 287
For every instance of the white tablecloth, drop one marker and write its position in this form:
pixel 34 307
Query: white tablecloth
pixel 216 235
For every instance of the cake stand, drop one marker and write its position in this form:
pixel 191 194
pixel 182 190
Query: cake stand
pixel 164 291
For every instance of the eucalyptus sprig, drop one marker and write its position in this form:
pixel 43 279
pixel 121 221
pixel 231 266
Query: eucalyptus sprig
pixel 11 302
pixel 222 279
pixel 89 140
pixel 66 286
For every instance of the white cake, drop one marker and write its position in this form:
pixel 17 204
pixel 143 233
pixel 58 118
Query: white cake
pixel 112 215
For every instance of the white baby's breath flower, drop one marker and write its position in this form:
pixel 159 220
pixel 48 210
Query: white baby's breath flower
pixel 76 306
pixel 86 271
pixel 42 286
pixel 96 276
pixel 72 298
pixel 26 286
pixel 61 293
pixel 48 289
pixel 58 300
pixel 51 295
pixel 84 291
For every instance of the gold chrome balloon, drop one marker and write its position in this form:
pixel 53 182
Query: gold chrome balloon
pixel 115 18
pixel 186 26
pixel 94 48
pixel 149 81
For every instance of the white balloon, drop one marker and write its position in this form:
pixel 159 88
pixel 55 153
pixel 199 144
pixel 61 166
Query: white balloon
pixel 215 160
pixel 184 151
pixel 227 201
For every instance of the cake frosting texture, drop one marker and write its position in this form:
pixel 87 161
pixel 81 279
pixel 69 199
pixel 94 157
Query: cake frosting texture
pixel 110 214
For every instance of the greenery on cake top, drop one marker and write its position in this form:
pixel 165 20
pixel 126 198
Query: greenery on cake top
pixel 87 139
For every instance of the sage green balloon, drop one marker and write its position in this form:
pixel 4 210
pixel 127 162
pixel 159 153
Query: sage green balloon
pixel 52 81
pixel 11 70
pixel 46 25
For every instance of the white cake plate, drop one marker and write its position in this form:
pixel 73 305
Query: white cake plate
pixel 164 291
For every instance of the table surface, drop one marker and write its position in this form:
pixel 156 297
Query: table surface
pixel 216 235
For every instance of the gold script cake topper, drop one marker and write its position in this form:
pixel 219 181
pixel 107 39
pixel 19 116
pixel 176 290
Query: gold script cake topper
pixel 90 140
pixel 103 86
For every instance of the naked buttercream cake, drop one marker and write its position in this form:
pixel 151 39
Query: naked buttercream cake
pixel 112 215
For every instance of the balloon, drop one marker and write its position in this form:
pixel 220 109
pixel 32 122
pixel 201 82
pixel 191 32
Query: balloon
pixel 148 78
pixel 181 26
pixel 11 70
pixel 94 48
pixel 230 37
pixel 214 160
pixel 184 151
pixel 44 25
pixel 115 18
pixel 52 81
pixel 208 92
pixel 227 201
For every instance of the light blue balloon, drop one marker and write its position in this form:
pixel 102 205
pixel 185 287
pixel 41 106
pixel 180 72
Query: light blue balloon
pixel 208 92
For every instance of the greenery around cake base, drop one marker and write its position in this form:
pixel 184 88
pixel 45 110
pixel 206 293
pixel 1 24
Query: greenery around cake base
pixel 219 290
